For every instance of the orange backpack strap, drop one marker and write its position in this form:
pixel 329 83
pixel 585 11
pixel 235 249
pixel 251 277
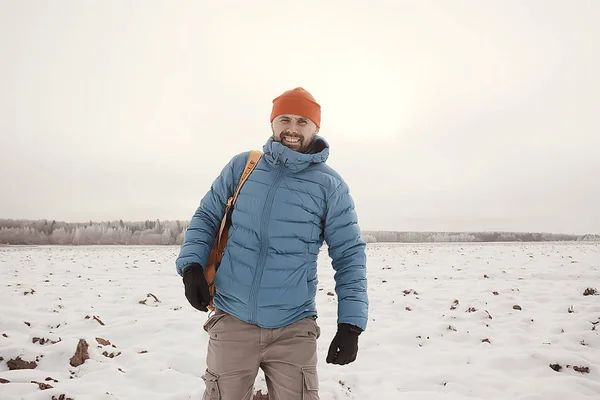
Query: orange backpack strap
pixel 218 249
pixel 253 159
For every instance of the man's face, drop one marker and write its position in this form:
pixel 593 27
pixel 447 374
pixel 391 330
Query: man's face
pixel 294 131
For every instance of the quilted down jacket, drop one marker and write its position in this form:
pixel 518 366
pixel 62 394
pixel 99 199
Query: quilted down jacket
pixel 291 203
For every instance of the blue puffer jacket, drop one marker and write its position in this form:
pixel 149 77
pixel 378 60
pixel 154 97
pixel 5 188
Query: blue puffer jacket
pixel 289 205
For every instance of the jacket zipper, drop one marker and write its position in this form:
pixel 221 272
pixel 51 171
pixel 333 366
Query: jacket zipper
pixel 264 244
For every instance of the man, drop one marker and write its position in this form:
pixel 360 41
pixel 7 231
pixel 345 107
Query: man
pixel 265 312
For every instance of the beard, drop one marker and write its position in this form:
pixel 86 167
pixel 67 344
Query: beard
pixel 292 141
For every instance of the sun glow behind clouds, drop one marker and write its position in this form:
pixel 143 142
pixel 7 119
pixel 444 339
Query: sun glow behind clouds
pixel 361 100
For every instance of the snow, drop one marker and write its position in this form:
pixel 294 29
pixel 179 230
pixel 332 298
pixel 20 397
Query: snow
pixel 415 347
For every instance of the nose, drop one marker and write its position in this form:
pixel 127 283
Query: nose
pixel 293 127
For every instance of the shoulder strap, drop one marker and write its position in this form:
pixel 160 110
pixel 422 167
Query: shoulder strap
pixel 218 248
pixel 253 159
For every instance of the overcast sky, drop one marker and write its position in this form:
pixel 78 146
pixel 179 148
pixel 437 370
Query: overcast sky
pixel 461 115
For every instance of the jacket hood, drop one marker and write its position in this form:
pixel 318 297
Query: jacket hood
pixel 276 154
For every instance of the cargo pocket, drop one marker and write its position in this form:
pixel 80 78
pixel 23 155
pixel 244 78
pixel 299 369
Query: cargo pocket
pixel 310 389
pixel 211 380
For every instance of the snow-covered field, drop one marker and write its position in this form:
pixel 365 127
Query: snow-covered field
pixel 443 324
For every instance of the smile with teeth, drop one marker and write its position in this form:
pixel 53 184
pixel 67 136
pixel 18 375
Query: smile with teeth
pixel 292 140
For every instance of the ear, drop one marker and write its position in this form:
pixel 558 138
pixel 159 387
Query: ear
pixel 314 126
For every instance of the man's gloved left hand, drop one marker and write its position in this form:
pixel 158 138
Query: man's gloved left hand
pixel 344 346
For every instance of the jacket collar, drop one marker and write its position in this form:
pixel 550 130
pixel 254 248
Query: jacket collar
pixel 276 154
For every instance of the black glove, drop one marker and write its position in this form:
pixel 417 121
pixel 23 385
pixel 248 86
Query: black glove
pixel 344 346
pixel 196 287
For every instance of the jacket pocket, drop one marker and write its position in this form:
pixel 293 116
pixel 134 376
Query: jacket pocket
pixel 211 381
pixel 310 388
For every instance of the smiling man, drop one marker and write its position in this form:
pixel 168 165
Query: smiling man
pixel 299 137
pixel 265 310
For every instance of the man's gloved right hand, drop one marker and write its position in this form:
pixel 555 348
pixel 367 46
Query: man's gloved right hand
pixel 196 287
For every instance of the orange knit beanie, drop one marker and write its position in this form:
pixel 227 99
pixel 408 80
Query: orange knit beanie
pixel 299 102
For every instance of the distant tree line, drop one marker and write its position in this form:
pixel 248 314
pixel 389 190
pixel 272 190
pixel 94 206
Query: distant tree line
pixel 425 237
pixel 50 232
pixel 45 232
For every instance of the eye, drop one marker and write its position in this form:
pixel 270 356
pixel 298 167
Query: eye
pixel 302 122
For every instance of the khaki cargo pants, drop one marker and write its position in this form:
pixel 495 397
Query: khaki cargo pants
pixel 236 350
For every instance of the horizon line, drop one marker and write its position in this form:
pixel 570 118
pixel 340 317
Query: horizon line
pixel 363 230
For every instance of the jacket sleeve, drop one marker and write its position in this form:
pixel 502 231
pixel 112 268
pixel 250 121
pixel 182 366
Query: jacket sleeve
pixel 204 225
pixel 347 251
